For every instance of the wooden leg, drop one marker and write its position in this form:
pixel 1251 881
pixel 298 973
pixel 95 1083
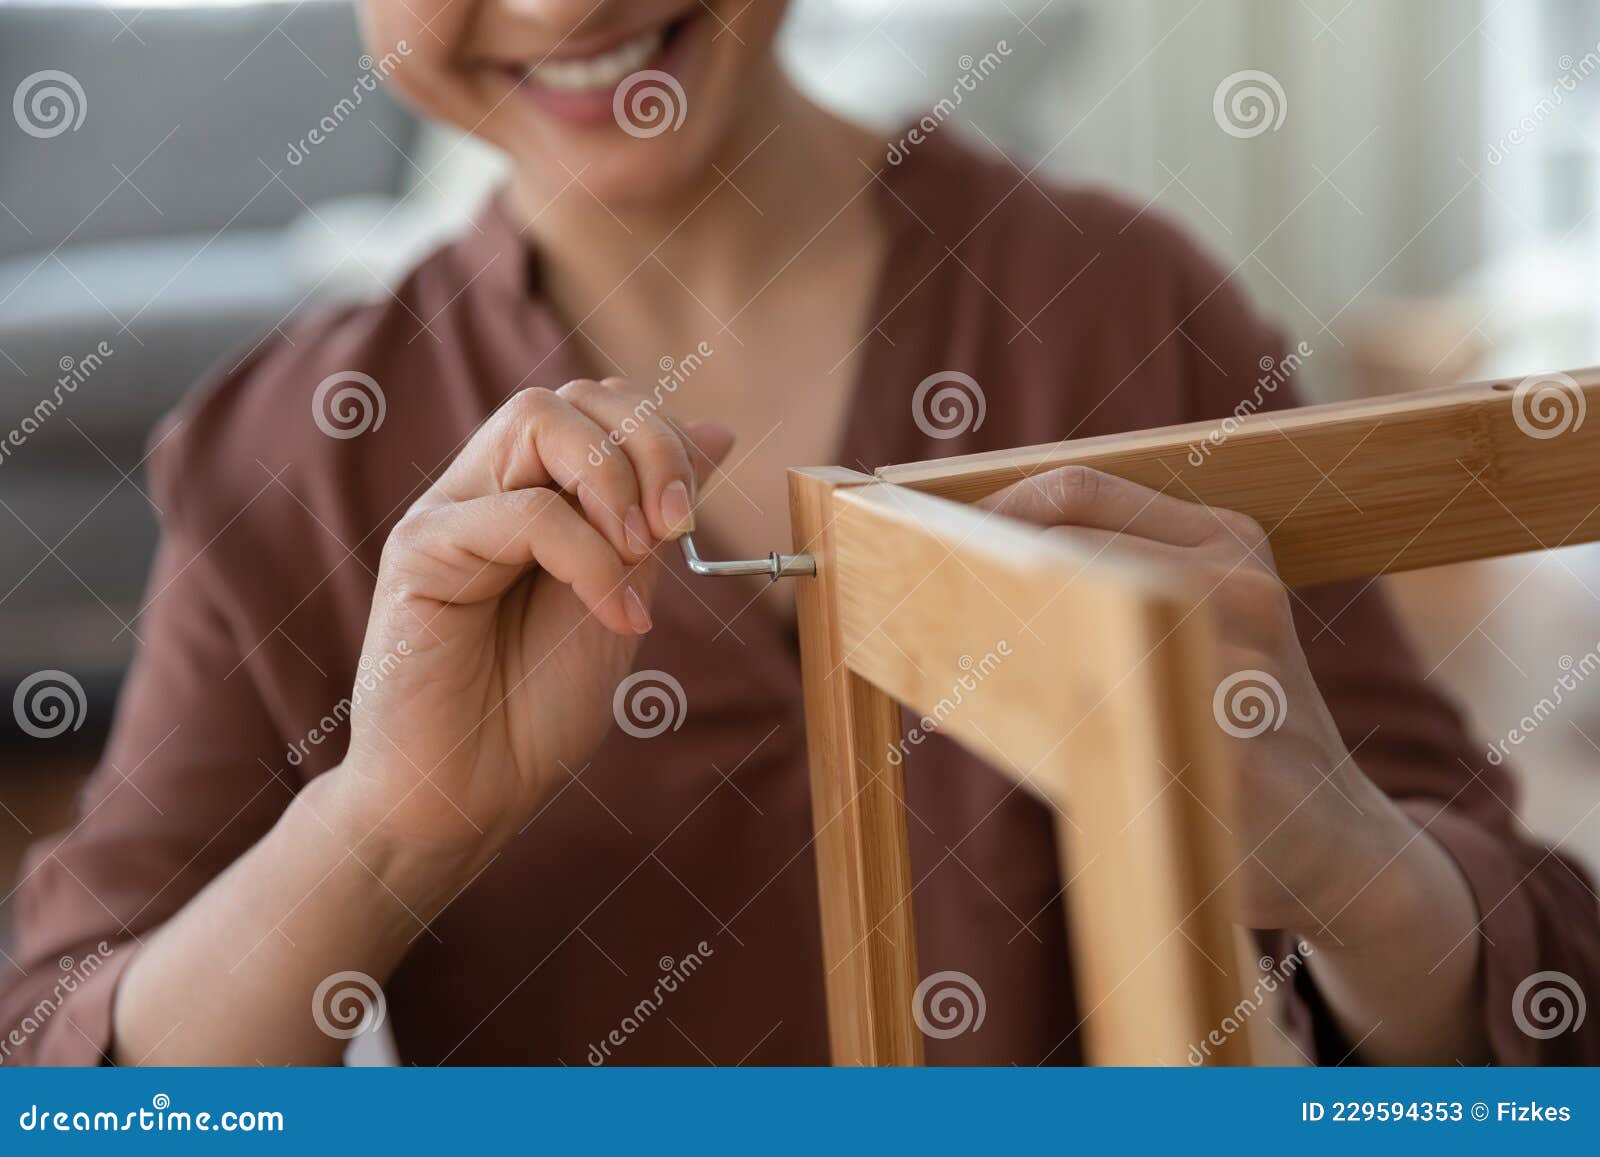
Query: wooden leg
pixel 858 807
pixel 1147 857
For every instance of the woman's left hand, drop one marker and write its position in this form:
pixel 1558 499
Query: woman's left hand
pixel 1313 831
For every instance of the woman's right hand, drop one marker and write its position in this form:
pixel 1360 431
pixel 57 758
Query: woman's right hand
pixel 509 605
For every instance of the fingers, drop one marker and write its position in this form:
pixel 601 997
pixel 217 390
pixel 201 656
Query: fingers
pixel 1081 496
pixel 640 437
pixel 540 439
pixel 468 552
pixel 506 503
pixel 629 468
pixel 1090 543
pixel 1249 604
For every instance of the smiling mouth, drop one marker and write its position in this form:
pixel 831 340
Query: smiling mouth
pixel 603 71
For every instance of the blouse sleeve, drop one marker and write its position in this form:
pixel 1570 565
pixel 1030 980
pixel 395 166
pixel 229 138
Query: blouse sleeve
pixel 1537 910
pixel 186 784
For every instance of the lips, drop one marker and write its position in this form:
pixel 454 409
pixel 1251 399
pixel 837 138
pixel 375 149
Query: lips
pixel 602 72
pixel 578 88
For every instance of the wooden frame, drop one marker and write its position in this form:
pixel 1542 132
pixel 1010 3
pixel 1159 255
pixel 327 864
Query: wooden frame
pixel 1099 701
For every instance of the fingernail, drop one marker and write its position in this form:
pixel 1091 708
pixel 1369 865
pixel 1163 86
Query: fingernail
pixel 675 508
pixel 638 615
pixel 637 531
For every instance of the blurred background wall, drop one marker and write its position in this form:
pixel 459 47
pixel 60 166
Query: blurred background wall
pixel 1408 185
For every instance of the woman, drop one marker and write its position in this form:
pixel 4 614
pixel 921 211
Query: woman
pixel 488 557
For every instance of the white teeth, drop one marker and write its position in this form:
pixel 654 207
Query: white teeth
pixel 600 72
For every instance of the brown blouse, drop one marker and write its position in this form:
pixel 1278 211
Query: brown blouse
pixel 1078 314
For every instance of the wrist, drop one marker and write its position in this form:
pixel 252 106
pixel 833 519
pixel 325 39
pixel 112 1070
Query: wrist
pixel 1399 969
pixel 424 875
pixel 1381 882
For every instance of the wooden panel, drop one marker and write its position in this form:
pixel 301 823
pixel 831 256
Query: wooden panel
pixel 857 799
pixel 1358 488
pixel 1087 679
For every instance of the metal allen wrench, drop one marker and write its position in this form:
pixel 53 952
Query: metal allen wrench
pixel 775 566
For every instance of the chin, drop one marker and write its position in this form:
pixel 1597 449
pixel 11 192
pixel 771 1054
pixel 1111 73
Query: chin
pixel 630 116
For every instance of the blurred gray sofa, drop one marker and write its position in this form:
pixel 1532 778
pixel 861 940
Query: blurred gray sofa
pixel 171 226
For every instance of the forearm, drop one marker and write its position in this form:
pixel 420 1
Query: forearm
pixel 230 979
pixel 1398 964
